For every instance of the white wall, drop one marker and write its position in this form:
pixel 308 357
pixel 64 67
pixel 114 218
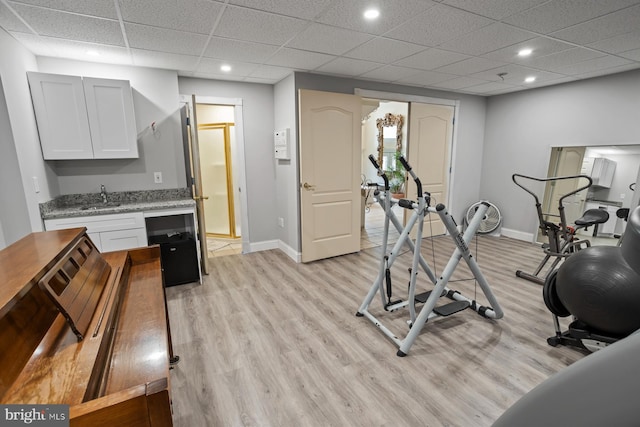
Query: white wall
pixel 522 127
pixel 15 63
pixel 155 99
pixel 257 111
pixel 14 214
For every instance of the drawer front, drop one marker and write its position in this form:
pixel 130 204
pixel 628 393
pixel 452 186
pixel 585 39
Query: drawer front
pixel 123 239
pixel 99 223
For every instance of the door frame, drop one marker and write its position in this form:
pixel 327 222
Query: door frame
pixel 403 97
pixel 238 162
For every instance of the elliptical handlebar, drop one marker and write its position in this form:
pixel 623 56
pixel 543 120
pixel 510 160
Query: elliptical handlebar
pixel 415 178
pixel 380 172
pixel 554 178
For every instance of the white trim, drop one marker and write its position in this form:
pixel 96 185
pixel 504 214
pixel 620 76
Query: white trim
pixel 519 235
pixel 265 245
pixel 240 162
pixel 290 252
pixel 405 97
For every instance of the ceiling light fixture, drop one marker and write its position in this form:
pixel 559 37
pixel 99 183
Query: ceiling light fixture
pixel 525 52
pixel 530 79
pixel 93 53
pixel 226 68
pixel 371 14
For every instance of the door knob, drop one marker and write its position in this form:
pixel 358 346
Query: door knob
pixel 308 186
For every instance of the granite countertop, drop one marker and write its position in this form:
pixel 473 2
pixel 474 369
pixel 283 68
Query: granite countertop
pixel 75 205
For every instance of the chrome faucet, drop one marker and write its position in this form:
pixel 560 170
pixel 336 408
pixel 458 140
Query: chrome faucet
pixel 103 194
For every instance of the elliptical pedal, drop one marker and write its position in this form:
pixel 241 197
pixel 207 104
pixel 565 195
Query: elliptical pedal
pixel 422 298
pixel 451 308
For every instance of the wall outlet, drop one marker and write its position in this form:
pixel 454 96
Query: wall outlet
pixel 281 222
pixel 622 195
pixel 157 177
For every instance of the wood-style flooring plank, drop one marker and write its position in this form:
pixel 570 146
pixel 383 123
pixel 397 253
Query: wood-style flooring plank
pixel 268 342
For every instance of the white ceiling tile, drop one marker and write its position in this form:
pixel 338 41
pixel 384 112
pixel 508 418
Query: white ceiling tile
pixel 540 46
pixel 459 83
pixel 608 71
pixel 99 8
pixel 632 54
pixel 438 25
pixel 250 25
pixel 487 88
pixel 515 74
pixel 49 46
pixel 495 9
pixel 348 67
pixel 602 28
pixel 214 76
pixel 196 16
pixel 621 43
pixel 304 9
pixel 431 59
pixel 10 22
pixel 383 50
pixel 487 39
pixel 170 61
pixel 327 39
pixel 557 14
pixel 593 65
pixel 299 59
pixel 49 22
pixel 556 61
pixel 470 66
pixel 349 14
pixel 221 48
pixel 426 78
pixel 212 67
pixel 160 39
pixel 251 79
pixel 270 72
pixel 389 73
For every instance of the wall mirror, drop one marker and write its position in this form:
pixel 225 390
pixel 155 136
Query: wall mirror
pixel 389 139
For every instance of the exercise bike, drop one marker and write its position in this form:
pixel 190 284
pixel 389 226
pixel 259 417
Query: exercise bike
pixel 458 302
pixel 562 238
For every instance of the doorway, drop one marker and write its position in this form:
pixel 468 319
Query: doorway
pixel 218 149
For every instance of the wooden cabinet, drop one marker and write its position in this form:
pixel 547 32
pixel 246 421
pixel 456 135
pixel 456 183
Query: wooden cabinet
pixel 83 118
pixel 108 232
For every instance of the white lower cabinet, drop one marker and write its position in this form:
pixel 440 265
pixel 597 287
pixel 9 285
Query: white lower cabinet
pixel 108 232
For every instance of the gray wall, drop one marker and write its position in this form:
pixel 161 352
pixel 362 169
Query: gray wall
pixel 257 111
pixel 14 214
pixel 155 99
pixel 522 127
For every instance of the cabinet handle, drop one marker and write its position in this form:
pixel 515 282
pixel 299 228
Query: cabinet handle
pixel 200 198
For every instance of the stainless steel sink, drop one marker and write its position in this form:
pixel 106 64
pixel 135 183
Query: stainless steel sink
pixel 100 206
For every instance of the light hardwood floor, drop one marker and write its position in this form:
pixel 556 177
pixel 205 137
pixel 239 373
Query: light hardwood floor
pixel 268 342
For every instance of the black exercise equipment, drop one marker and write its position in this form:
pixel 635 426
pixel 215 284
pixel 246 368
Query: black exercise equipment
pixel 562 239
pixel 600 287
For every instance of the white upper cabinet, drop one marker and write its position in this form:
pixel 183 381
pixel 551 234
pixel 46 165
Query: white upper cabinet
pixel 83 118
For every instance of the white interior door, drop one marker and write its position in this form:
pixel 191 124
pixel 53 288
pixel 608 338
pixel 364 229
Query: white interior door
pixel 429 147
pixel 330 131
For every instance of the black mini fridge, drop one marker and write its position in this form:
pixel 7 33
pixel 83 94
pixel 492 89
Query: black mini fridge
pixel 179 258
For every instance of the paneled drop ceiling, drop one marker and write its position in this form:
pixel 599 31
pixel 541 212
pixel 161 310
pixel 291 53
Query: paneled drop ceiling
pixel 468 46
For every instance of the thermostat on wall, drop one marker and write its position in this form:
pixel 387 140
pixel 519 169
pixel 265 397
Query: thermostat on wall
pixel 281 144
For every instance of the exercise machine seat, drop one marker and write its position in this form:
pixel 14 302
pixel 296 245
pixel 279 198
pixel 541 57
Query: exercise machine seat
pixel 592 217
pixel 598 390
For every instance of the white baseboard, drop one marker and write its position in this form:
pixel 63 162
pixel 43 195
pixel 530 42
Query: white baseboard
pixel 263 246
pixel 519 235
pixel 291 253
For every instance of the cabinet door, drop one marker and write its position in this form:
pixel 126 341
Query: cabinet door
pixel 111 118
pixel 123 239
pixel 59 105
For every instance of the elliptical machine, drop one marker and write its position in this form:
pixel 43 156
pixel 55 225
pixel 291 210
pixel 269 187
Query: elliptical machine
pixel 562 238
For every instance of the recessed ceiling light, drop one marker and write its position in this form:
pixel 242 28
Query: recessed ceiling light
pixel 93 53
pixel 371 13
pixel 530 79
pixel 226 68
pixel 525 52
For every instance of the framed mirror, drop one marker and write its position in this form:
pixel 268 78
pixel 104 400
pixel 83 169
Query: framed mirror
pixel 389 139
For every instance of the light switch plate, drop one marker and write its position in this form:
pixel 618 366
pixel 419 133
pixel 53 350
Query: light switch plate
pixel 157 177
